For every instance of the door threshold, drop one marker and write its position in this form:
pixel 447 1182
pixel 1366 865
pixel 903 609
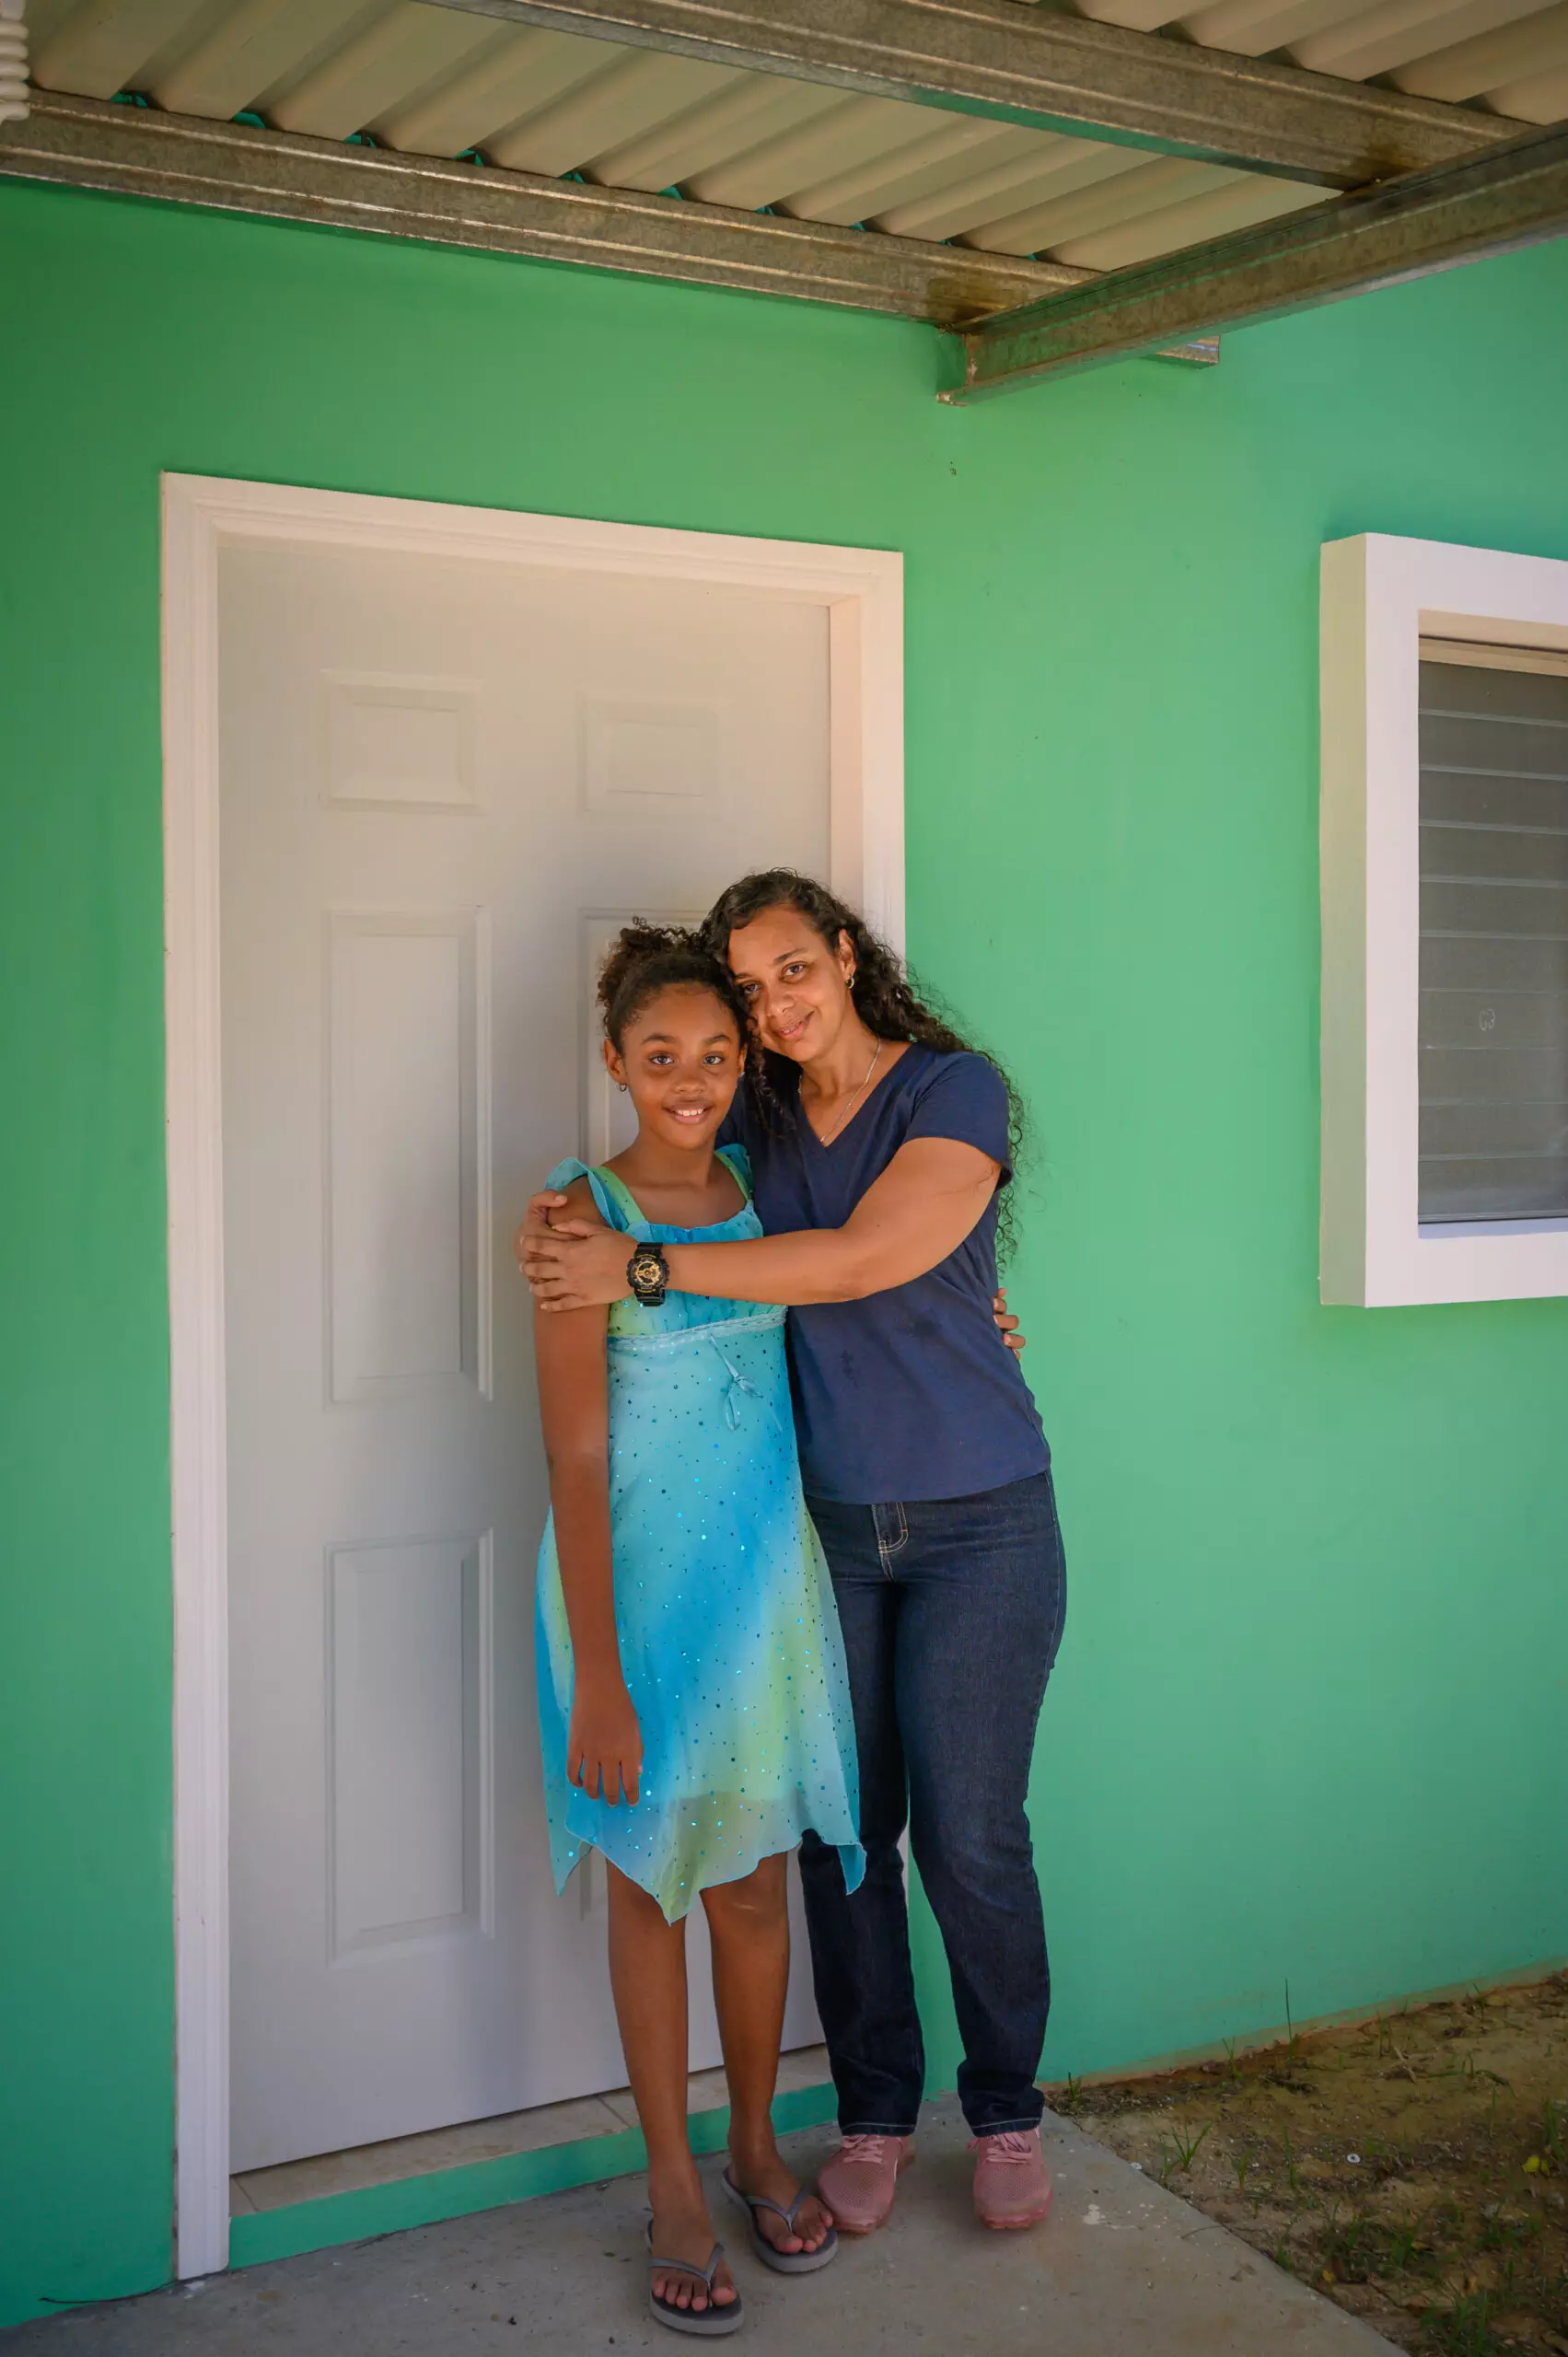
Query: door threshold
pixel 347 2196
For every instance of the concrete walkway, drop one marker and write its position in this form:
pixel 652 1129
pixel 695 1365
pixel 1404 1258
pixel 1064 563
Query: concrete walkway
pixel 1120 2269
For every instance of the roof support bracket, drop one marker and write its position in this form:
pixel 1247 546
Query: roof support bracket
pixel 1504 198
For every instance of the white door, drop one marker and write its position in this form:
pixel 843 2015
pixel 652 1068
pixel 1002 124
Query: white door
pixel 442 786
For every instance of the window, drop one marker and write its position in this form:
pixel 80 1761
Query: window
pixel 1494 932
pixel 1444 884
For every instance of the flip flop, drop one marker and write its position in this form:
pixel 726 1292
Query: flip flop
pixel 783 2262
pixel 710 2322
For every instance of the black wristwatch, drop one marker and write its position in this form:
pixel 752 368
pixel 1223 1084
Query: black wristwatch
pixel 647 1274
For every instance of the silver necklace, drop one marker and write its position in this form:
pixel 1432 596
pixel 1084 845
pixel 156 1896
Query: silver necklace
pixel 855 1100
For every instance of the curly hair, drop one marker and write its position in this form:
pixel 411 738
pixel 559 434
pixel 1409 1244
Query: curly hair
pixel 644 959
pixel 885 997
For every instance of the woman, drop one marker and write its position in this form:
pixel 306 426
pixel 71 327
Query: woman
pixel 879 1143
pixel 694 1725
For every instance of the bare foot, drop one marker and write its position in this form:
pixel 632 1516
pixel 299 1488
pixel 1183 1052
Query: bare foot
pixel 683 2230
pixel 765 2173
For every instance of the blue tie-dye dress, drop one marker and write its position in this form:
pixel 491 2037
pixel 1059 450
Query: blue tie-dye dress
pixel 728 1634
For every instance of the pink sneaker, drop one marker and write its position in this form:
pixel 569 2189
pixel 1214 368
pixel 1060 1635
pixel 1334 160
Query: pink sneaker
pixel 859 2182
pixel 1011 2185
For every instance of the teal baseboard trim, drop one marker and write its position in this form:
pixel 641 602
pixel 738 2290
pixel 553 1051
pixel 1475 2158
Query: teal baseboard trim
pixel 338 2218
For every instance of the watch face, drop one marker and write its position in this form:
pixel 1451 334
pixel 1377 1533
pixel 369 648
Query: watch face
pixel 646 1269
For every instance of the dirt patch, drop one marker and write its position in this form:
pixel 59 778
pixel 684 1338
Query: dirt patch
pixel 1414 2168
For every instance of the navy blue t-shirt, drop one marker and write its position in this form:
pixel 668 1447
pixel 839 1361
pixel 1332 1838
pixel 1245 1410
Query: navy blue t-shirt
pixel 910 1393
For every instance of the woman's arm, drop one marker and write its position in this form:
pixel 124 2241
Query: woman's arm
pixel 930 1196
pixel 604 1746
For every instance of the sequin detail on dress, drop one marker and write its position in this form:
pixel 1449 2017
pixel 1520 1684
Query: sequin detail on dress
pixel 728 1634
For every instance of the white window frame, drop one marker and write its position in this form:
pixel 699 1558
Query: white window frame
pixel 1381 596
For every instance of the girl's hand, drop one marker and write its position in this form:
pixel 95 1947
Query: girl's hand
pixel 604 1745
pixel 576 1266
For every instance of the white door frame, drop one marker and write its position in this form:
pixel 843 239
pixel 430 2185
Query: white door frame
pixel 862 591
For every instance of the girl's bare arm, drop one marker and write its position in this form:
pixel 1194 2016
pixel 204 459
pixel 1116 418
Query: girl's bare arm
pixel 604 1747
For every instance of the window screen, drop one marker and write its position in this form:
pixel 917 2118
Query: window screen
pixel 1493 936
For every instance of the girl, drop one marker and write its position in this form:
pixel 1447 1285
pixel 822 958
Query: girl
pixel 881 1143
pixel 692 1695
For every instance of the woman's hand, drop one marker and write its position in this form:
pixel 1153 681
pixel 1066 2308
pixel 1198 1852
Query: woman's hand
pixel 541 1210
pixel 576 1265
pixel 550 1211
pixel 1007 1325
pixel 604 1745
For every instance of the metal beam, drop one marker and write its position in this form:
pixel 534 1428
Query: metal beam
pixel 1030 64
pixel 236 168
pixel 1511 196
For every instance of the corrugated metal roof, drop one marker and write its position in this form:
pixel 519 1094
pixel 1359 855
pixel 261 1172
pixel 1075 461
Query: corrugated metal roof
pixel 432 81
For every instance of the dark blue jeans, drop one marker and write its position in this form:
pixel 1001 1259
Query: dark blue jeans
pixel 952 1611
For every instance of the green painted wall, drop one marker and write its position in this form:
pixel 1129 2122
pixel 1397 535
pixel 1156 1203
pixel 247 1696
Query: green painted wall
pixel 1309 1720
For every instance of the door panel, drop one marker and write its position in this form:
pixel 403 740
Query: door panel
pixel 441 780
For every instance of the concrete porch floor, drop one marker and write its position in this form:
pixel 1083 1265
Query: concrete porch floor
pixel 1120 2269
